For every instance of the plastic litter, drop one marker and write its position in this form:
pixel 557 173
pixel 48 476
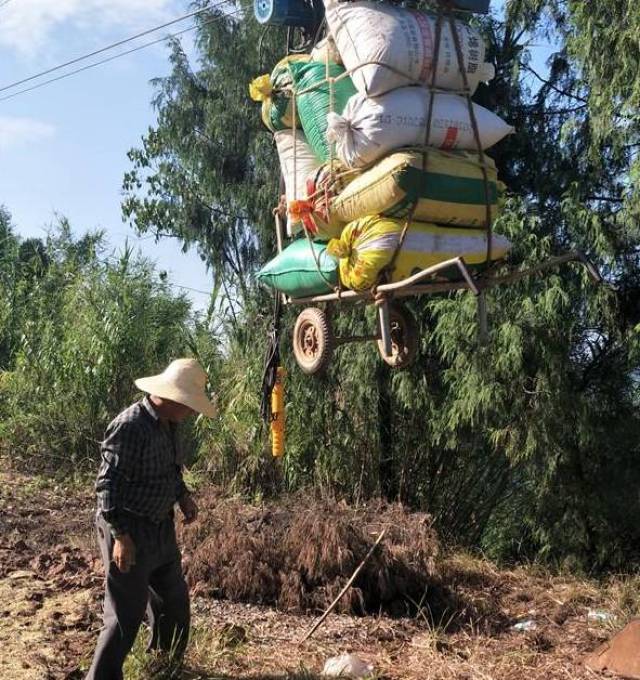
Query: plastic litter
pixel 347 666
pixel 600 615
pixel 525 626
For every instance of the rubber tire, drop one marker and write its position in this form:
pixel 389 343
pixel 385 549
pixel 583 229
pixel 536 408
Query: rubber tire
pixel 404 338
pixel 313 342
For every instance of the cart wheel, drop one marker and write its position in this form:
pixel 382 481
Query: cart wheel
pixel 312 340
pixel 404 338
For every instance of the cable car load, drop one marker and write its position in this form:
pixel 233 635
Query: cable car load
pixel 388 191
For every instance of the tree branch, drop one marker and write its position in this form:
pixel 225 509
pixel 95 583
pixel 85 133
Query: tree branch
pixel 548 83
pixel 608 199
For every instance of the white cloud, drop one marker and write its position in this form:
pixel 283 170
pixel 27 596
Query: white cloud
pixel 16 131
pixel 31 27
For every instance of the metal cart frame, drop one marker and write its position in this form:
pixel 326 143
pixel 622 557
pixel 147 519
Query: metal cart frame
pixel 314 341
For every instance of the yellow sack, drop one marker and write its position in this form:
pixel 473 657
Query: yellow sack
pixel 450 190
pixel 274 91
pixel 367 246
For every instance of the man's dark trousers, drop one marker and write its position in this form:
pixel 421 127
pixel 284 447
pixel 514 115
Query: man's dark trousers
pixel 155 584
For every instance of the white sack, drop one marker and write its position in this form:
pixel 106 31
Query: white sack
pixel 325 50
pixel 370 127
pixel 295 175
pixel 405 40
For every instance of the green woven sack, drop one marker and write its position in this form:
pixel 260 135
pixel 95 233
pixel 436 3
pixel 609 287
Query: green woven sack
pixel 274 91
pixel 314 104
pixel 281 112
pixel 294 270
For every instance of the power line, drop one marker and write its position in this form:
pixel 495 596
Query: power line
pixel 114 259
pixel 104 49
pixel 193 290
pixel 117 56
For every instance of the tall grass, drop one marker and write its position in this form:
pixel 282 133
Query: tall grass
pixel 89 324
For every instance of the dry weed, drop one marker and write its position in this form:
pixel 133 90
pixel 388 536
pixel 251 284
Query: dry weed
pixel 298 554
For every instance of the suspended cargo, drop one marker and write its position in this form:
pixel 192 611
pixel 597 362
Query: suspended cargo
pixel 326 51
pixel 389 51
pixel 297 162
pixel 370 128
pixel 274 91
pixel 367 246
pixel 385 47
pixel 300 271
pixel 446 187
pixel 314 100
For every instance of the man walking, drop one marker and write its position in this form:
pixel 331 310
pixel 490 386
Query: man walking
pixel 139 482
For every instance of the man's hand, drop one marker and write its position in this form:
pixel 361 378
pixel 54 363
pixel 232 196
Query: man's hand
pixel 124 552
pixel 189 508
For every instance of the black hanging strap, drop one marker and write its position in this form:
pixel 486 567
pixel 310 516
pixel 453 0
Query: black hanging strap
pixel 271 361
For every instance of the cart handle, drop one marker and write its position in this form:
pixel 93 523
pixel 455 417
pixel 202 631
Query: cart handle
pixel 457 262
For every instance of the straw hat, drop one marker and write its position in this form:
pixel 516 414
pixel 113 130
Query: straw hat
pixel 183 380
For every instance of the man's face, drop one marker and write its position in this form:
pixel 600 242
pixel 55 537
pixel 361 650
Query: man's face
pixel 171 410
pixel 176 412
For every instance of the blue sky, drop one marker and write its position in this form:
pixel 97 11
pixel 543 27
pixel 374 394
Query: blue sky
pixel 63 147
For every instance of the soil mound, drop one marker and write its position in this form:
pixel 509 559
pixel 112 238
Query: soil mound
pixel 299 553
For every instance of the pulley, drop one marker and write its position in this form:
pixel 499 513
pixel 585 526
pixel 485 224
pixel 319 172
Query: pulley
pixel 478 6
pixel 305 14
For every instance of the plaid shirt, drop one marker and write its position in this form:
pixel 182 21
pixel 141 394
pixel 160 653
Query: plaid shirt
pixel 141 470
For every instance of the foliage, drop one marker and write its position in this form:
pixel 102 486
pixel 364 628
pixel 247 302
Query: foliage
pixel 85 325
pixel 8 266
pixel 529 447
pixel 206 172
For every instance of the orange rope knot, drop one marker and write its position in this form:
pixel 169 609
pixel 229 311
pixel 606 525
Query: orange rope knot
pixel 301 211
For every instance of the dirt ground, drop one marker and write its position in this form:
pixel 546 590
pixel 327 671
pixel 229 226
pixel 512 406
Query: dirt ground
pixel 50 600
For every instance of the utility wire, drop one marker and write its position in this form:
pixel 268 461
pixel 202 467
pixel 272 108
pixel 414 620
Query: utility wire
pixel 117 56
pixel 193 290
pixel 105 49
pixel 114 259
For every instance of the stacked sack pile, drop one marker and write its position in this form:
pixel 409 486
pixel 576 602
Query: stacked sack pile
pixel 350 122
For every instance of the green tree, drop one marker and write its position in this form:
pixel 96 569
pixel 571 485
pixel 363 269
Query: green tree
pixel 88 324
pixel 206 172
pixel 8 311
pixel 529 447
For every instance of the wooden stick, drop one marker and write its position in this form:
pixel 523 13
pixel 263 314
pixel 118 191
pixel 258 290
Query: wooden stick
pixel 331 607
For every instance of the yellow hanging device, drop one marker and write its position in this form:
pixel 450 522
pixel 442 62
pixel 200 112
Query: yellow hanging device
pixel 277 414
